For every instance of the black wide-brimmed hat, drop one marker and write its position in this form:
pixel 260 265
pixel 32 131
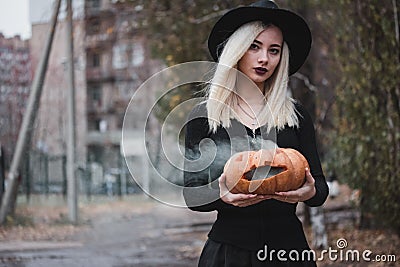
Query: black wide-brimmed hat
pixel 296 32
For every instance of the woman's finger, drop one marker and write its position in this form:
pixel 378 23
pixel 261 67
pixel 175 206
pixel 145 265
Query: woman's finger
pixel 240 200
pixel 223 190
pixel 309 177
pixel 222 179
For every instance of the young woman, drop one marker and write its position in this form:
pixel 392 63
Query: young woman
pixel 248 102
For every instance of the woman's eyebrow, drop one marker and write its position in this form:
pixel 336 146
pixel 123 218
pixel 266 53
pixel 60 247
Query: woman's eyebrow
pixel 260 43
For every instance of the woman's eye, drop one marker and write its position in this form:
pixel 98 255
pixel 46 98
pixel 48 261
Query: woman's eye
pixel 254 46
pixel 275 51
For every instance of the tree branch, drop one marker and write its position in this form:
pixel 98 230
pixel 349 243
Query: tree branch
pixel 208 17
pixel 306 81
pixel 396 21
pixel 396 25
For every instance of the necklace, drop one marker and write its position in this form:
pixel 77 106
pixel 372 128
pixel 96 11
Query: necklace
pixel 254 123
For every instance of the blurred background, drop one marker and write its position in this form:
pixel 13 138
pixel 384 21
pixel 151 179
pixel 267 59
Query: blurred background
pixel 350 84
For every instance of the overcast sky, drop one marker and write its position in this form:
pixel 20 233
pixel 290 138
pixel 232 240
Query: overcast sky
pixel 14 18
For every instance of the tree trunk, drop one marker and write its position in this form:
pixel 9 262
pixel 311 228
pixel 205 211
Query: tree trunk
pixel 320 238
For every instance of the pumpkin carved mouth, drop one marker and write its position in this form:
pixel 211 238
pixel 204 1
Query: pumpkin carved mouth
pixel 265 171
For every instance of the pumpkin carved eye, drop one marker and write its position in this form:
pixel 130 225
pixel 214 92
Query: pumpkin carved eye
pixel 265 171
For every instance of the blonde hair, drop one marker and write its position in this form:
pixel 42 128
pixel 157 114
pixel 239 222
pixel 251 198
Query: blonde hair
pixel 221 91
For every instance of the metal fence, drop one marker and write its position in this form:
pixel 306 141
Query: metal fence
pixel 45 174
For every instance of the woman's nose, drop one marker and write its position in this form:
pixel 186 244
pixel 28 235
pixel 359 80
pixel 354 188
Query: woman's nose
pixel 263 57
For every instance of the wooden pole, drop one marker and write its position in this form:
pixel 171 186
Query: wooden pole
pixel 2 172
pixel 72 195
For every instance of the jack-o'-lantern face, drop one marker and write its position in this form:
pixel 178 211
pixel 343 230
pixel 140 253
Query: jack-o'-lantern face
pixel 265 171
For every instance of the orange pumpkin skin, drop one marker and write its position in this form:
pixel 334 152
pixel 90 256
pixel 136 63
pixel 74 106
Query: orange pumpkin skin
pixel 290 160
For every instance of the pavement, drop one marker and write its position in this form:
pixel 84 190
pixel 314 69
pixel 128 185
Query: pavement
pixel 129 233
pixel 152 235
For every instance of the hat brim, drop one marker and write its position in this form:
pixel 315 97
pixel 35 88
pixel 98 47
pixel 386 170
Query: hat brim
pixel 295 30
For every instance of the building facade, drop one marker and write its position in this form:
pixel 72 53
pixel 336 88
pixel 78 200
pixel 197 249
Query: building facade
pixel 111 62
pixel 15 81
pixel 117 63
pixel 50 126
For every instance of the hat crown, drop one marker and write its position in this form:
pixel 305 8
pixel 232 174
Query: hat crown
pixel 265 4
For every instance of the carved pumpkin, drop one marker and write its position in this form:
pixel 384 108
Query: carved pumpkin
pixel 265 171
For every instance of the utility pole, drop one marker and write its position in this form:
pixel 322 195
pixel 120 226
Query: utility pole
pixel 8 204
pixel 2 172
pixel 71 170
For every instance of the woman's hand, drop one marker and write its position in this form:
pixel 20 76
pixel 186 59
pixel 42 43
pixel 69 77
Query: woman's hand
pixel 304 193
pixel 239 200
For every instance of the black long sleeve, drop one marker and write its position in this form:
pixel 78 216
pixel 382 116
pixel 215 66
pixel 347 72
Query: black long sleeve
pixel 200 192
pixel 308 148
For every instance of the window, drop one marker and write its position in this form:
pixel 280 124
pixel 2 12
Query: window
pixel 120 60
pixel 137 54
pixel 126 89
pixel 93 3
pixel 93 59
pixel 103 126
pixel 96 60
pixel 98 125
pixel 93 124
pixel 94 26
pixel 94 93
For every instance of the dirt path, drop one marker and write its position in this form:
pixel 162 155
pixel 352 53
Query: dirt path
pixel 143 232
pixel 119 233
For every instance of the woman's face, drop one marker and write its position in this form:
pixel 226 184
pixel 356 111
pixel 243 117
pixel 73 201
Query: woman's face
pixel 261 59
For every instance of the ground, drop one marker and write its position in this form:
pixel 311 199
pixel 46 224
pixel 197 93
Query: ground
pixel 139 231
